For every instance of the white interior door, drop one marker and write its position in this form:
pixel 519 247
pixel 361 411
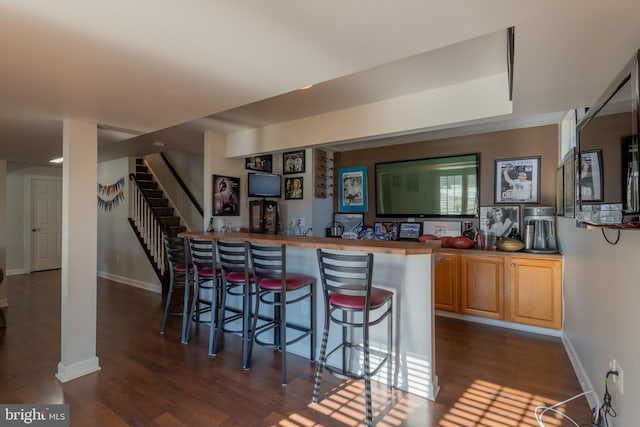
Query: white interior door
pixel 46 224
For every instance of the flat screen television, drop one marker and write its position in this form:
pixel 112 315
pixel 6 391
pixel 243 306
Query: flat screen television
pixel 264 185
pixel 608 163
pixel 434 187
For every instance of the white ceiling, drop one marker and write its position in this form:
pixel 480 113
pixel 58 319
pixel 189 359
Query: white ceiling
pixel 169 70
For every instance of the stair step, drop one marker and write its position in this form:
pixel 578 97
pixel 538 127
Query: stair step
pixel 147 184
pixel 144 176
pixel 153 193
pixel 175 230
pixel 163 211
pixel 158 202
pixel 170 221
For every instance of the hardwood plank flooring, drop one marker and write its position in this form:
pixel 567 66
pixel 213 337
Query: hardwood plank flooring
pixel 489 376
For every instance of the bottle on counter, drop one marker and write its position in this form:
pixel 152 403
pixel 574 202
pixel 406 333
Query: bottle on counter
pixel 469 231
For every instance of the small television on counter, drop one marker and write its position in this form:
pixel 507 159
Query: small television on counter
pixel 264 185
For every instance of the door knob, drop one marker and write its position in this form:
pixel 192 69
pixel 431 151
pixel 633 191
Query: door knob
pixel 35 229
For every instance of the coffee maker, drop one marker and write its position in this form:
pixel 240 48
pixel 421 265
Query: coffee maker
pixel 540 229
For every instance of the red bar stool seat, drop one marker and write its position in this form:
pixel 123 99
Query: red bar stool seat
pixel 280 288
pixel 351 302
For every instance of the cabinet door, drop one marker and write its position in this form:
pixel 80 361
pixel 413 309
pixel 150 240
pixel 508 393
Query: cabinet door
pixel 535 292
pixel 482 285
pixel 446 282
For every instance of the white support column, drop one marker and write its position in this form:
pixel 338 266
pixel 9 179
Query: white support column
pixel 79 250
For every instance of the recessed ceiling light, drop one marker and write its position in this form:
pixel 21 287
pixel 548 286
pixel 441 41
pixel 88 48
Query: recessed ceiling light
pixel 158 143
pixel 58 160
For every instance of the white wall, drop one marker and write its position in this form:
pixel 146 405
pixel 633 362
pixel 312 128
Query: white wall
pixel 120 256
pixel 602 292
pixel 17 192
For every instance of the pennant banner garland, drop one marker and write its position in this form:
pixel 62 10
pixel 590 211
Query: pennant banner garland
pixel 114 195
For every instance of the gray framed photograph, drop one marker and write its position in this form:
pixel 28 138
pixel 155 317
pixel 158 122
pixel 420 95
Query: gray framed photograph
pixel 500 221
pixel 518 180
pixel 293 162
pixel 259 163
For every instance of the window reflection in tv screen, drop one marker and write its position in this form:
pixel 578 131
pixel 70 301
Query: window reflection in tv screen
pixel 442 186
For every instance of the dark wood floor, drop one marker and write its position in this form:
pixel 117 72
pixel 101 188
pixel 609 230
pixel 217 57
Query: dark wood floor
pixel 488 376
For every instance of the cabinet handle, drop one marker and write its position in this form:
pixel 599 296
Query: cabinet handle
pixel 501 264
pixel 513 264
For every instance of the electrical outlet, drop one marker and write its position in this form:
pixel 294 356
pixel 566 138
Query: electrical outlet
pixel 301 222
pixel 618 380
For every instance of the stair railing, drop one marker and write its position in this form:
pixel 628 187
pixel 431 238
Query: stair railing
pixel 149 227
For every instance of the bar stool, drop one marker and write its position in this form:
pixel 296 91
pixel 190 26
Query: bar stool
pixel 279 288
pixel 205 278
pixel 237 280
pixel 350 301
pixel 180 270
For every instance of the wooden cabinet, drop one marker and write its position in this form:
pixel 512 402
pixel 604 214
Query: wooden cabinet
pixel 446 282
pixel 482 286
pixel 263 216
pixel 524 289
pixel 535 292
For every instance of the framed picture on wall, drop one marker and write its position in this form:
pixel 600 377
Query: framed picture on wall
pixel 293 162
pixel 259 163
pixel 590 176
pixel 570 184
pixel 226 196
pixel 517 180
pixel 352 191
pixel 560 191
pixel 293 188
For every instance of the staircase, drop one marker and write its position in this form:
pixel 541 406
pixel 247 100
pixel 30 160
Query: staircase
pixel 152 217
pixel 146 181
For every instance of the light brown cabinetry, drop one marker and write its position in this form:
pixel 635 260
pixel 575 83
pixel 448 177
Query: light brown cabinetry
pixel 446 282
pixel 482 286
pixel 521 289
pixel 535 292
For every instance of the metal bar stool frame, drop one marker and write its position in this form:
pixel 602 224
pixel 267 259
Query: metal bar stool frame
pixel 179 267
pixel 206 276
pixel 237 280
pixel 279 288
pixel 347 290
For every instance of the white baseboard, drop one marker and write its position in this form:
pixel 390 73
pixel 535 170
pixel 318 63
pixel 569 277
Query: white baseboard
pixel 16 271
pixel 581 373
pixel 77 370
pixel 500 323
pixel 135 283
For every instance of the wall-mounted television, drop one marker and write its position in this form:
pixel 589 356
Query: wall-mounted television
pixel 264 185
pixel 433 187
pixel 608 161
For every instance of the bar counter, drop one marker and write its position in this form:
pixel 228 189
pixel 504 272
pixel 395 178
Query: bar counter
pixel 405 268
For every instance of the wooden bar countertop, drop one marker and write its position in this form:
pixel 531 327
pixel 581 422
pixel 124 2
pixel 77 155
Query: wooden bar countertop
pixel 374 246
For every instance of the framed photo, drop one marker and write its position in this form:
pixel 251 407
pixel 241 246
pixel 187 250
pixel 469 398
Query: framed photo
pixel 590 180
pixel 293 188
pixel 259 163
pixel 442 228
pixel 560 191
pixel 499 221
pixel 518 180
pixel 226 196
pixel 352 187
pixel 350 221
pixel 293 162
pixel 570 184
pixel 409 230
